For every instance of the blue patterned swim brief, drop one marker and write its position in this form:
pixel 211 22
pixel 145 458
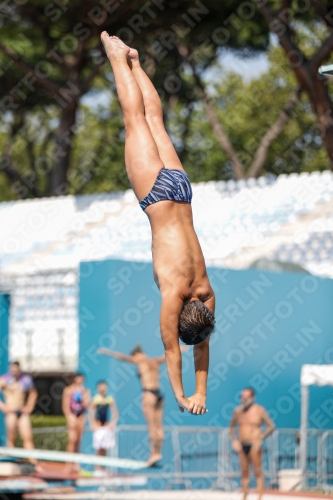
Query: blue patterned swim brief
pixel 173 185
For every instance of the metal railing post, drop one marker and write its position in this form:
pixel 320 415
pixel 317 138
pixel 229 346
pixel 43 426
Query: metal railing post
pixel 275 440
pixel 220 461
pixel 176 452
pixel 303 452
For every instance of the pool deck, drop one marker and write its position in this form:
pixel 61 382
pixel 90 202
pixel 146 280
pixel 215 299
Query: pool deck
pixel 172 495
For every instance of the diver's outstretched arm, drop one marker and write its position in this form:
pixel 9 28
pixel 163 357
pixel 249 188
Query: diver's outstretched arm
pixel 116 355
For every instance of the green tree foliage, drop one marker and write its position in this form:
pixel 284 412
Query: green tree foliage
pixel 98 151
pixel 247 109
pixel 51 56
pixel 54 140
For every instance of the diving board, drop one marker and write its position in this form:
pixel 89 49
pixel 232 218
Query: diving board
pixel 79 458
pixel 114 482
pixel 21 485
pixel 174 495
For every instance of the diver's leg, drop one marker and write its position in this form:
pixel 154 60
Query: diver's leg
pixel 81 420
pixel 73 439
pixel 11 426
pixel 148 408
pixel 245 472
pixel 25 430
pixel 256 460
pixel 72 429
pixel 142 159
pixel 159 431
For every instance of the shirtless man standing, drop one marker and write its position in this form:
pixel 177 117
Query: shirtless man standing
pixel 152 398
pixel 164 192
pixel 75 402
pixel 250 417
pixel 20 398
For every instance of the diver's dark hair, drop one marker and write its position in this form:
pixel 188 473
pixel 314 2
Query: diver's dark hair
pixel 136 349
pixel 79 374
pixel 196 323
pixel 16 363
pixel 253 392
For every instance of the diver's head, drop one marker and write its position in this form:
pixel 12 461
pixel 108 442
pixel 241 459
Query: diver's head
pixel 247 397
pixel 196 322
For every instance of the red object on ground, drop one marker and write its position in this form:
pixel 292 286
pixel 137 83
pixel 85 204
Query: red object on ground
pixel 55 471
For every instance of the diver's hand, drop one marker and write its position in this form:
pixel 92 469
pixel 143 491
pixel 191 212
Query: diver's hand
pixel 26 410
pixel 5 409
pixel 236 446
pixel 196 404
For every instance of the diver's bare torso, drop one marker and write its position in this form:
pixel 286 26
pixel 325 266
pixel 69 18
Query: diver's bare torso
pixel 178 261
pixel 148 370
pixel 250 423
pixel 14 396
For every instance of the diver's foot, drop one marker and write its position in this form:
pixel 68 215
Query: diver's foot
pixel 133 54
pixel 153 459
pixel 114 47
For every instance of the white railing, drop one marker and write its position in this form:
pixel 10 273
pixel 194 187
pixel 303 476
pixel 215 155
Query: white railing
pixel 194 454
pixel 326 461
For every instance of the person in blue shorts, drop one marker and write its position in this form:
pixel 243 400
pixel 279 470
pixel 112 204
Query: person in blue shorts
pixel 164 192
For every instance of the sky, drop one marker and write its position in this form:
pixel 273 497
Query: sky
pixel 249 68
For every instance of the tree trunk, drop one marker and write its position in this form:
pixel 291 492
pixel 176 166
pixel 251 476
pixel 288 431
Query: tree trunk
pixel 64 140
pixel 223 139
pixel 316 89
pixel 305 70
pixel 323 109
pixel 272 133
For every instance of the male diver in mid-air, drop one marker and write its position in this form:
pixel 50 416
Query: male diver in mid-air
pixel 164 192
